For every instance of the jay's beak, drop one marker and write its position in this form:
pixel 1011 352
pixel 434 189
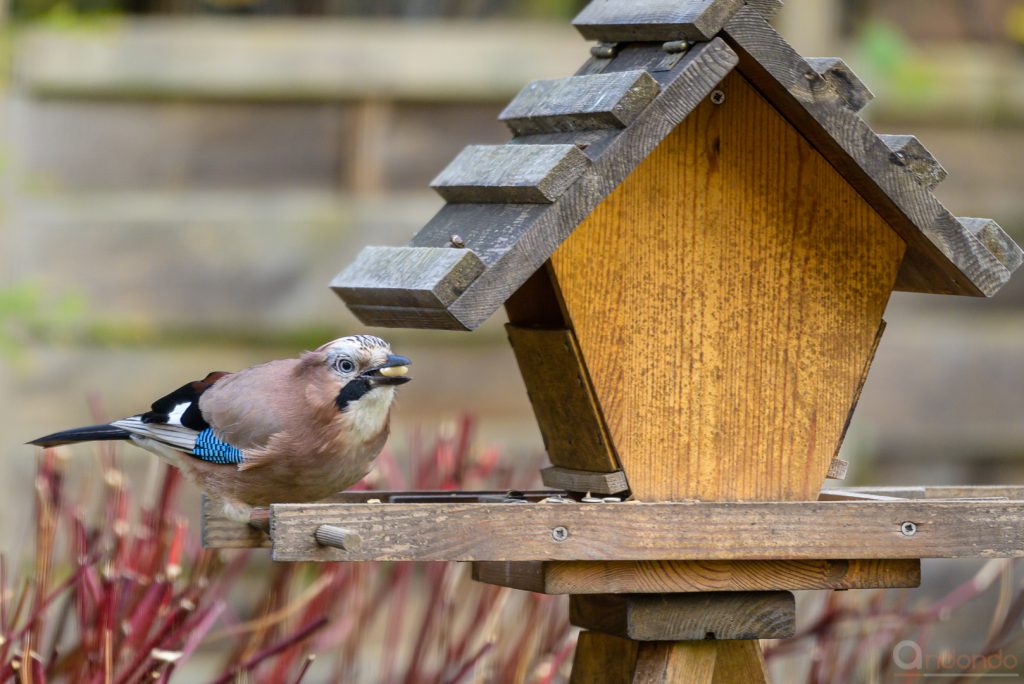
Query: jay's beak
pixel 391 372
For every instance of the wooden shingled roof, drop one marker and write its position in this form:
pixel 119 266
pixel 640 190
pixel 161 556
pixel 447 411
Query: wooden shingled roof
pixel 575 139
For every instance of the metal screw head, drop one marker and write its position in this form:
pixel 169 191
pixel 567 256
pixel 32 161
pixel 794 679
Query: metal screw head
pixel 457 241
pixel 559 534
pixel 908 529
pixel 717 97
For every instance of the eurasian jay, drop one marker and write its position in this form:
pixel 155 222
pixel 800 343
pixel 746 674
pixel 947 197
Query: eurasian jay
pixel 293 430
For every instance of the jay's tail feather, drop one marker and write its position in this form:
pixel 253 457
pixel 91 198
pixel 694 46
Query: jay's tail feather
pixel 91 433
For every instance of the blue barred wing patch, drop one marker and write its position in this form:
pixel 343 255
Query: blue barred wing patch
pixel 210 448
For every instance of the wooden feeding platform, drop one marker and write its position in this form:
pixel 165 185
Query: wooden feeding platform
pixel 694 239
pixel 872 525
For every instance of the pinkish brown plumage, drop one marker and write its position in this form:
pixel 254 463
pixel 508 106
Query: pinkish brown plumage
pixel 293 430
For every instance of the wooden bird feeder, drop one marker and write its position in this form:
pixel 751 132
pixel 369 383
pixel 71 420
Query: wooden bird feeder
pixel 695 238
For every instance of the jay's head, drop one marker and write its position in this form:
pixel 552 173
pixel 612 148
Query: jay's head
pixel 364 368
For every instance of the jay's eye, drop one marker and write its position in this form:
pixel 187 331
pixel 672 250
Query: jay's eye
pixel 346 366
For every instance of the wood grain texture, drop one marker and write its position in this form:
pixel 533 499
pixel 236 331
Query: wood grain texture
pixel 219 532
pixel 603 658
pixel 740 662
pixel 854 92
pixel 837 469
pixel 745 312
pixel 653 20
pixel 582 481
pixel 942 257
pixel 514 174
pixel 910 154
pixel 767 8
pixel 490 230
pixel 652 577
pixel 580 103
pixel 535 304
pixel 562 398
pixel 662 531
pixel 413 277
pixel 406 317
pixel 520 245
pixel 996 240
pixel 684 662
pixel 682 617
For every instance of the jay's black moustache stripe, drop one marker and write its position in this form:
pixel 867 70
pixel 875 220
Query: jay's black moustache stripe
pixel 353 391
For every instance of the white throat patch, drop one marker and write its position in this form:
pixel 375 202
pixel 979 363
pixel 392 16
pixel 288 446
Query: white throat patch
pixel 367 416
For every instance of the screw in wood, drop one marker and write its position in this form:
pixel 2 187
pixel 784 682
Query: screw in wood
pixel 717 97
pixel 457 241
pixel 908 529
pixel 676 46
pixel 338 538
pixel 559 534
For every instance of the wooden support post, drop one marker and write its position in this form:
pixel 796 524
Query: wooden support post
pixel 740 662
pixel 681 662
pixel 613 660
pixel 603 658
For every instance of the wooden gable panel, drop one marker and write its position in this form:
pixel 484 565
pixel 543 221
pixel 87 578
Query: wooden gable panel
pixel 726 297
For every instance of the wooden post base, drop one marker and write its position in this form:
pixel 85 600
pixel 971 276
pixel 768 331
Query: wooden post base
pixel 605 659
pixel 688 617
pixel 699 638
